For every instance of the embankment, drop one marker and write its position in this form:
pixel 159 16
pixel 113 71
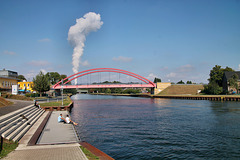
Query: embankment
pixel 182 89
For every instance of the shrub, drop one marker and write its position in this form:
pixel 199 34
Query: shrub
pixel 212 88
pixel 32 95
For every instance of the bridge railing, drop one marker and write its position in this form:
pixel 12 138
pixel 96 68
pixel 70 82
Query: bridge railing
pixel 102 83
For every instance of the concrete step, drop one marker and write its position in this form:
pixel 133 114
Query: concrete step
pixel 23 125
pixel 8 129
pixel 17 119
pixel 24 131
pixel 14 113
pixel 11 118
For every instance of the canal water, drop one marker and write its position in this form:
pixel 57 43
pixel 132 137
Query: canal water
pixel 145 128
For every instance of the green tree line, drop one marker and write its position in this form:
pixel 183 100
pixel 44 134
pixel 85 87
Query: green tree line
pixel 215 85
pixel 42 82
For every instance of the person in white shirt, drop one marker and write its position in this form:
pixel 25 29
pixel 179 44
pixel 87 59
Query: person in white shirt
pixel 68 120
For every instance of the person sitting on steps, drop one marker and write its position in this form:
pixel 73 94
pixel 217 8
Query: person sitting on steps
pixel 36 104
pixel 68 120
pixel 61 119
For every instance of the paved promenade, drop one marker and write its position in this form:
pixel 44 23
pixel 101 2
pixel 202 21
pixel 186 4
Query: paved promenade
pixel 17 104
pixel 58 141
pixel 65 132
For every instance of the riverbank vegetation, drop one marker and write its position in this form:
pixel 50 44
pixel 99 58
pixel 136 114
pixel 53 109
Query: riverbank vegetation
pixel 114 90
pixel 17 97
pixel 215 85
pixel 89 154
pixel 4 102
pixel 66 102
pixel 8 146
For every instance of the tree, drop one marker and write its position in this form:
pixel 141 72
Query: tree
pixel 63 76
pixel 233 82
pixel 72 90
pixel 41 83
pixel 116 82
pixel 216 74
pixel 157 80
pixel 212 88
pixel 132 91
pixel 107 91
pixel 53 77
pixel 180 82
pixel 216 80
pixel 189 82
pixel 21 77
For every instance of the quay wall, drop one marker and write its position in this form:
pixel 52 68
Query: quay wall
pixel 201 97
pixel 192 97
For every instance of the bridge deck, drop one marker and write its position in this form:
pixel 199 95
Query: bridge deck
pixel 106 86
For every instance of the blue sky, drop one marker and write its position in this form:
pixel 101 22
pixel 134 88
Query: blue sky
pixel 170 39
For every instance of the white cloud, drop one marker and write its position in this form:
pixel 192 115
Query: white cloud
pixel 171 75
pixel 9 53
pixel 122 59
pixel 239 67
pixel 44 40
pixel 85 63
pixel 38 63
pixel 151 76
pixel 30 75
pixel 164 69
pixel 43 71
pixel 186 68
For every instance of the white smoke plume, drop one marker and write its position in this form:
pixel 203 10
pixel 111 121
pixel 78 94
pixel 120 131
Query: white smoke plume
pixel 77 36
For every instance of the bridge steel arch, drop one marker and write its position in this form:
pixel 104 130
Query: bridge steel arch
pixel 96 70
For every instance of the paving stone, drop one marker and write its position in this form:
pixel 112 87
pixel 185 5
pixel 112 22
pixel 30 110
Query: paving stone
pixel 63 153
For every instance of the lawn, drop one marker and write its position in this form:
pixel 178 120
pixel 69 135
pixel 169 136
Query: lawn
pixel 66 102
pixel 8 146
pixel 89 154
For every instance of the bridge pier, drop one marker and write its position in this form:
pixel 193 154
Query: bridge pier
pixel 153 91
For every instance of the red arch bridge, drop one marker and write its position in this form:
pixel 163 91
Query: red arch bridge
pixel 147 83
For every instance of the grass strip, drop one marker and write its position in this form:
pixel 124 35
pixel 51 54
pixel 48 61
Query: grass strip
pixel 17 97
pixel 66 102
pixel 89 154
pixel 8 146
pixel 4 102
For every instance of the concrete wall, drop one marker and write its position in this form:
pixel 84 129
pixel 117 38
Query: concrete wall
pixel 6 83
pixel 161 86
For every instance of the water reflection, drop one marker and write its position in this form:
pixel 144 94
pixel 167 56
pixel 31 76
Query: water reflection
pixel 145 128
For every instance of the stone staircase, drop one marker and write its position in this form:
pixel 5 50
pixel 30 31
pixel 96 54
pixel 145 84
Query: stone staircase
pixel 14 125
